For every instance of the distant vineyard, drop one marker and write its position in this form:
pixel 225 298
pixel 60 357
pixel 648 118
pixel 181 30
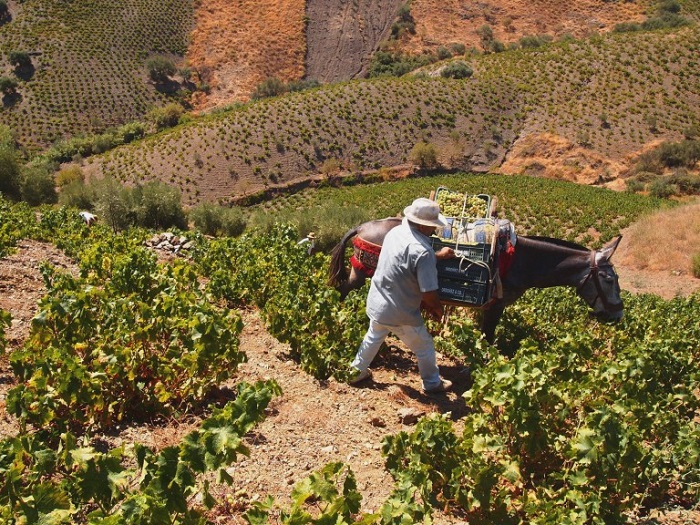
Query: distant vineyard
pixel 609 95
pixel 87 64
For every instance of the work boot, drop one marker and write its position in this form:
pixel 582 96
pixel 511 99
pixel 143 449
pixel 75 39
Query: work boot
pixel 444 386
pixel 361 376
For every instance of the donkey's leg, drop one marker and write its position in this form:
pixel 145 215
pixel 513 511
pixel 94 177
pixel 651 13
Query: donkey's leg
pixel 490 318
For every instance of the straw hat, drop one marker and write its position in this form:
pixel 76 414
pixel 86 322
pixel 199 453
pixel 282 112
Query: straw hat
pixel 426 212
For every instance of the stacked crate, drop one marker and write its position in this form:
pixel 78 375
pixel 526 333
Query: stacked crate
pixel 467 279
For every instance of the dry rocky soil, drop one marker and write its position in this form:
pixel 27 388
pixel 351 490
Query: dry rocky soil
pixel 312 422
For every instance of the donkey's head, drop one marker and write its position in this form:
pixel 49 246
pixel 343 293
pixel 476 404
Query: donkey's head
pixel 600 287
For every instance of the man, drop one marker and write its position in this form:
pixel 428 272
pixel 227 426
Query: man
pixel 406 279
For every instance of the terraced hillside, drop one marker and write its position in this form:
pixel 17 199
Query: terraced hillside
pixel 87 67
pixel 600 101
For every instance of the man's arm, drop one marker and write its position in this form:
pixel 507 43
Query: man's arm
pixel 445 253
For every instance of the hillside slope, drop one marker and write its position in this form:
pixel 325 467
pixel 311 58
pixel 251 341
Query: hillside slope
pixel 341 36
pixel 87 68
pixel 585 105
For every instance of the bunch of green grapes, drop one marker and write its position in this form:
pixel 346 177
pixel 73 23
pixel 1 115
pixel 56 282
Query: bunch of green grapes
pixel 475 207
pixel 451 203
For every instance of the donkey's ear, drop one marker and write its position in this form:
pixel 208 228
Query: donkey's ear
pixel 610 247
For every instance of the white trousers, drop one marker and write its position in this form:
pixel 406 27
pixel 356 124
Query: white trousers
pixel 416 338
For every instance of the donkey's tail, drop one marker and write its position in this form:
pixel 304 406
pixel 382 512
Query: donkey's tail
pixel 338 274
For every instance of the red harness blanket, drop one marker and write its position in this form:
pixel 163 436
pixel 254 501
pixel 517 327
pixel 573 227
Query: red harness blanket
pixel 365 256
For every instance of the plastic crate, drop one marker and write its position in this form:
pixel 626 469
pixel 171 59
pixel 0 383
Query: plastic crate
pixel 463 292
pixel 467 278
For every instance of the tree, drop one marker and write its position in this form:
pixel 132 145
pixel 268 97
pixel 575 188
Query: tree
pixel 20 59
pixel 165 117
pixel 160 68
pixel 113 203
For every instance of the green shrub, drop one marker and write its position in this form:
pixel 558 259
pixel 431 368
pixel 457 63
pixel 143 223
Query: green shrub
pixel 532 41
pixel 662 188
pixel 69 175
pixel 160 68
pixel 8 86
pixel 457 48
pixel 77 194
pixel 634 186
pixel 165 117
pixel 157 205
pixel 113 203
pixel 215 220
pixel 404 23
pixel 696 265
pixel 457 69
pixel 687 183
pixel 424 155
pixel 9 172
pixel 271 87
pixel 37 186
pixel 302 85
pixel 443 53
pixel 386 63
pixel 20 59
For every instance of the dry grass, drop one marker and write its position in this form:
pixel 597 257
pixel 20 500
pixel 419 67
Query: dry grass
pixel 239 44
pixel 440 22
pixel 665 240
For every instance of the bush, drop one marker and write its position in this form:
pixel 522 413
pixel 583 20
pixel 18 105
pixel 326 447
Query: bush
pixel 457 70
pixel 69 175
pixel 457 48
pixel 271 87
pixel 397 64
pixel 37 186
pixel 687 183
pixel 662 188
pixel 696 265
pixel 634 186
pixel 159 206
pixel 302 85
pixel 113 203
pixel 165 117
pixel 424 155
pixel 443 53
pixel 9 172
pixel 77 195
pixel 405 22
pixel 532 41
pixel 215 220
pixel 160 68
pixel 8 86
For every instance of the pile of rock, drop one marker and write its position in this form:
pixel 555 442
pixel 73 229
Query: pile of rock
pixel 169 242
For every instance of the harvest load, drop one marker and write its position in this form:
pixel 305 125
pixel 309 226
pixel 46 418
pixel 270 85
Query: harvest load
pixel 467 279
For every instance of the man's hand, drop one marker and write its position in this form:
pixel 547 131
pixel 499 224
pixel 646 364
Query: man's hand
pixel 445 253
pixel 432 305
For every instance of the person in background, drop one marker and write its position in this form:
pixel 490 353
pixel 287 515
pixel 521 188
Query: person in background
pixel 88 217
pixel 405 280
